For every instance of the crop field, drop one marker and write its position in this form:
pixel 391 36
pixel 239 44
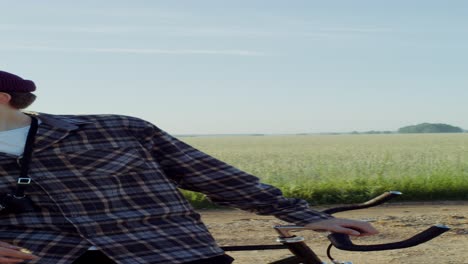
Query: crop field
pixel 325 169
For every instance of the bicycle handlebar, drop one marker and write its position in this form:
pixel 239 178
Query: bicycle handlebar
pixel 303 254
pixel 343 242
pixel 374 202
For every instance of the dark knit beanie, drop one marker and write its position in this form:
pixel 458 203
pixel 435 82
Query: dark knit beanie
pixel 12 83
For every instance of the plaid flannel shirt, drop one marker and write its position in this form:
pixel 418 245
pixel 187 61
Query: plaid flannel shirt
pixel 112 181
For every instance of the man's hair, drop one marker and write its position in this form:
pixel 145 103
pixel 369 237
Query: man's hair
pixel 21 100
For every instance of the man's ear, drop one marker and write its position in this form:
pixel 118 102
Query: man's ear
pixel 4 98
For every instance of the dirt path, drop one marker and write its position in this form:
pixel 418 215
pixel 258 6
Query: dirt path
pixel 395 222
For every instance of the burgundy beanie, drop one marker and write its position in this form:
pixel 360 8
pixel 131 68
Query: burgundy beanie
pixel 12 83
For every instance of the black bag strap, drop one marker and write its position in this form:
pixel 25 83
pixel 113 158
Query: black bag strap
pixel 24 180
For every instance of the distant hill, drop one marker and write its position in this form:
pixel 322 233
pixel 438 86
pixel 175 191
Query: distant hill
pixel 430 128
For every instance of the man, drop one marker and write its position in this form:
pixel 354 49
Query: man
pixel 103 189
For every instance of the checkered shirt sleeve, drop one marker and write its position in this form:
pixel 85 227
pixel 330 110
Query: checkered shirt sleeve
pixel 223 184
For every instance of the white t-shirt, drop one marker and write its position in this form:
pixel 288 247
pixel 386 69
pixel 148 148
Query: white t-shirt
pixel 13 141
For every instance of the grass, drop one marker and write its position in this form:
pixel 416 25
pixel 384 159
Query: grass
pixel 327 169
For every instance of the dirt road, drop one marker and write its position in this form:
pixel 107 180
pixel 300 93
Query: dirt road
pixel 395 222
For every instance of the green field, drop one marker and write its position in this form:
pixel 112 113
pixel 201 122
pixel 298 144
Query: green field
pixel 326 169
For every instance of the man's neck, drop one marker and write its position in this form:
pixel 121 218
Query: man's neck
pixel 12 119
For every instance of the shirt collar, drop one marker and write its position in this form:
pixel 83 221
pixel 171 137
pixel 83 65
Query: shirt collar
pixel 63 122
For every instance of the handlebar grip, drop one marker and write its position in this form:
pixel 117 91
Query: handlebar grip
pixel 374 202
pixel 343 242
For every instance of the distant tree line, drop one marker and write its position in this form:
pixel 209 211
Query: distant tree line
pixel 420 128
pixel 372 132
pixel 430 128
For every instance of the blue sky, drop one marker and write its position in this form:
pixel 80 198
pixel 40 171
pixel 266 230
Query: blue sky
pixel 210 67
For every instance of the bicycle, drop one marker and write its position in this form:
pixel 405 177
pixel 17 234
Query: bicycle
pixel 303 254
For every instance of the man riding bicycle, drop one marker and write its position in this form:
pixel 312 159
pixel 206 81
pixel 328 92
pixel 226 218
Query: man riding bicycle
pixel 104 189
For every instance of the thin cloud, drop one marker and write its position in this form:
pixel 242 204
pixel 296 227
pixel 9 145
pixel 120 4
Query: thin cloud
pixel 228 52
pixel 182 31
pixel 357 29
pixel 253 33
pixel 69 29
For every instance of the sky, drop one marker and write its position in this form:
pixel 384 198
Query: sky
pixel 244 66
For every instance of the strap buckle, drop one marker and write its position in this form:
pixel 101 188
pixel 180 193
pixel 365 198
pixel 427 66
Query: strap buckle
pixel 24 180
